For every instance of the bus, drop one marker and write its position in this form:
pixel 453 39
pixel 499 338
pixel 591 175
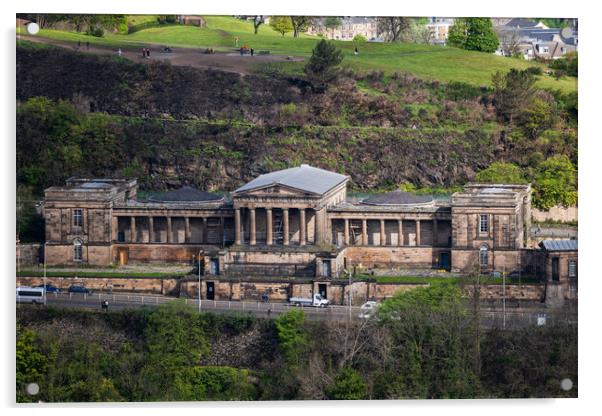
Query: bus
pixel 26 294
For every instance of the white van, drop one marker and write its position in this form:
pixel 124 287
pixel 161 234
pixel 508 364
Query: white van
pixel 26 294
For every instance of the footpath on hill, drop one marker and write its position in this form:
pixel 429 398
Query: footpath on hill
pixel 193 57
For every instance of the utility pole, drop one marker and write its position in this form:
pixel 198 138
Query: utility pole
pixel 504 296
pixel 199 285
pixel 44 273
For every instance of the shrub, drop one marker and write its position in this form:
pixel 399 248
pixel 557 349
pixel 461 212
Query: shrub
pixel 501 172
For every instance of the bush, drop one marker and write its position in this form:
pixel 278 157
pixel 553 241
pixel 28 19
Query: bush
pixel 501 172
pixel 360 38
pixel 97 31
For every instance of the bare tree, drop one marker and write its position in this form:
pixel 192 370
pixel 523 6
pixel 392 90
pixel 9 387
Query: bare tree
pixel 391 28
pixel 300 24
pixel 510 40
pixel 257 21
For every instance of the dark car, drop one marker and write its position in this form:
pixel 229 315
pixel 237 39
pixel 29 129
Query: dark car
pixel 79 289
pixel 50 288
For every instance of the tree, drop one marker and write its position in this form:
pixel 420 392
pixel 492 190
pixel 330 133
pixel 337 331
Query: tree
pixel 348 385
pixel 322 67
pixel 257 21
pixel 501 172
pixel 555 183
pixel 300 24
pixel 31 364
pixel 281 24
pixel 474 34
pixel 510 40
pixel 291 338
pixel 332 22
pixel 539 116
pixel 513 92
pixel 391 28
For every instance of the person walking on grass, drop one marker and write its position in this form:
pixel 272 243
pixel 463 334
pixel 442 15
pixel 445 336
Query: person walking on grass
pixel 252 51
pixel 119 51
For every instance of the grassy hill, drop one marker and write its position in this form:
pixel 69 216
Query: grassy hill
pixel 429 62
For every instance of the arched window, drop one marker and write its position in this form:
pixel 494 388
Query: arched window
pixel 484 256
pixel 77 250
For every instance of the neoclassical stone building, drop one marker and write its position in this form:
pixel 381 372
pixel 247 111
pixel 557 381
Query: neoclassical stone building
pixel 291 223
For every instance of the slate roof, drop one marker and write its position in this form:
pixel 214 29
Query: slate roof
pixel 559 245
pixel 304 177
pixel 521 23
pixel 398 197
pixel 186 194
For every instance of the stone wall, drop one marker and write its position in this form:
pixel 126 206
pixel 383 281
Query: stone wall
pixel 556 213
pixel 513 292
pixel 62 254
pixel 30 254
pixel 391 256
pixel 157 253
pixel 165 286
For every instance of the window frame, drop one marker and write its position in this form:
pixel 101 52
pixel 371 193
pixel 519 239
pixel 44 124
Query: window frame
pixel 77 216
pixel 484 255
pixel 572 262
pixel 481 218
pixel 78 250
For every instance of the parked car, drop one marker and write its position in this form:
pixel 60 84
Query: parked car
pixel 50 288
pixel 79 289
pixel 368 309
pixel 26 294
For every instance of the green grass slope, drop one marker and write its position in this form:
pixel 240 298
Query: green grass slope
pixel 425 61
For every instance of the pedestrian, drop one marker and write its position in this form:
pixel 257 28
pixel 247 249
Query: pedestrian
pixel 241 51
pixel 269 312
pixel 236 42
pixel 148 52
pixel 119 51
pixel 79 44
pixel 252 51
pixel 144 52
pixel 355 52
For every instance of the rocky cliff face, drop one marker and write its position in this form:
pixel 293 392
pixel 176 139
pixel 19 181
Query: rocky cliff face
pixel 171 126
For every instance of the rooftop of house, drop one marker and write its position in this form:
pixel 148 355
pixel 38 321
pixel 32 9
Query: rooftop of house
pixel 186 194
pixel 305 178
pixel 559 245
pixel 399 198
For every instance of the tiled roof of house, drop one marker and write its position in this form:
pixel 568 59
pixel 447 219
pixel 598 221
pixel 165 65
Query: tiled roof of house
pixel 559 245
pixel 304 177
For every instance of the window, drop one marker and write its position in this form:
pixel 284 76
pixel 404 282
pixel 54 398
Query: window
pixel 77 251
pixel 484 223
pixel 572 268
pixel 483 256
pixel 77 218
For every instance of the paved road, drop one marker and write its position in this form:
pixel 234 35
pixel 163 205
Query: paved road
pixel 490 317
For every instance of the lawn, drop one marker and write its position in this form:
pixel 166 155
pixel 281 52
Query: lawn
pixel 426 61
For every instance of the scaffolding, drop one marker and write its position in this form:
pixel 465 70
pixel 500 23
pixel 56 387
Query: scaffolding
pixel 277 227
pixel 356 232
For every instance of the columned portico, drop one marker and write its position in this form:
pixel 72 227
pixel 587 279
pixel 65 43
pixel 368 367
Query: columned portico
pixel 302 227
pixel 252 230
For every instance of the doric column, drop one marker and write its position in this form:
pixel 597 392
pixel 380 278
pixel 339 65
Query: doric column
pixel 400 238
pixel 187 226
pixel 435 232
pixel 252 234
pixel 285 232
pixel 237 226
pixel 151 230
pixel 222 232
pixel 365 232
pixel 169 236
pixel 133 229
pixel 204 238
pixel 383 238
pixel 268 226
pixel 346 232
pixel 417 232
pixel 302 226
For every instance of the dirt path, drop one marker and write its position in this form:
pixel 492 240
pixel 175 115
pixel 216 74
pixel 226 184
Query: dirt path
pixel 193 57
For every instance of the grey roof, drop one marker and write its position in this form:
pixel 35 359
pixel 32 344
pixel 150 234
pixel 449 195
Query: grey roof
pixel 521 23
pixel 398 197
pixel 559 245
pixel 186 194
pixel 304 177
